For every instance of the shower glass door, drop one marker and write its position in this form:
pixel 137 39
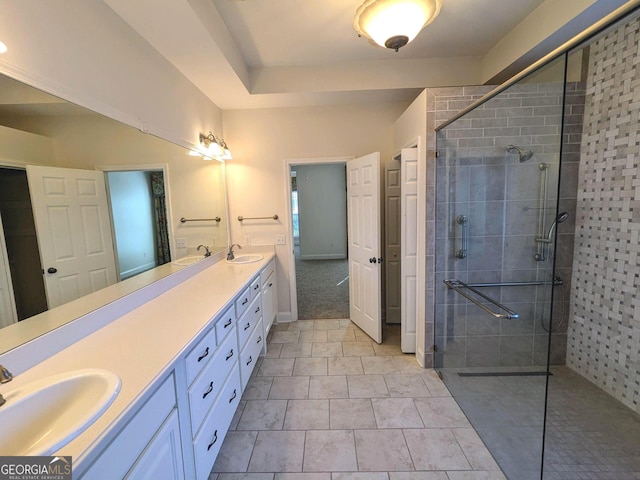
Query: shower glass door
pixel 497 211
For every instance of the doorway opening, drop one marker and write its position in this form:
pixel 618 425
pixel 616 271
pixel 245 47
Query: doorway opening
pixel 319 218
pixel 22 292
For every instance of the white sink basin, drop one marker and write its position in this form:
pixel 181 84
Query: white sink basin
pixel 43 416
pixel 190 260
pixel 250 258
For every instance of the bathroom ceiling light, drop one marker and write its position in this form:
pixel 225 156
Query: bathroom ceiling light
pixel 394 23
pixel 3 48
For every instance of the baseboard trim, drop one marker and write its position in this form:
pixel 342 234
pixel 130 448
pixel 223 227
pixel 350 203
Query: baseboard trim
pixel 284 317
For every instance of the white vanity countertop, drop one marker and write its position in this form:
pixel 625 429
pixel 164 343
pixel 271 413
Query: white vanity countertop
pixel 142 345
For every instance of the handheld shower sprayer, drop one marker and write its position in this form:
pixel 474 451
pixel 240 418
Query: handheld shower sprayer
pixel 546 240
pixel 523 154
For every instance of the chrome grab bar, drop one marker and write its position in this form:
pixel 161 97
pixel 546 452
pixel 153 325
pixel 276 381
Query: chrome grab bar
pixel 273 217
pixel 556 282
pixel 458 286
pixel 463 232
pixel 185 220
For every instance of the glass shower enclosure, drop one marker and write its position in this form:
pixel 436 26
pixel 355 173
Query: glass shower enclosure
pixel 498 210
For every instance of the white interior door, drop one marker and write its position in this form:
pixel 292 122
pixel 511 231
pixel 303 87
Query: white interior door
pixel 74 231
pixel 363 214
pixel 409 248
pixel 8 314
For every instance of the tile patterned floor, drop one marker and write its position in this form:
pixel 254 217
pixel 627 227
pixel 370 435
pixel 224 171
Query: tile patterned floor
pixel 327 403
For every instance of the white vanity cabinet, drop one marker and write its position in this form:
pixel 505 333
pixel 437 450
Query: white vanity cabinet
pixel 148 446
pixel 269 296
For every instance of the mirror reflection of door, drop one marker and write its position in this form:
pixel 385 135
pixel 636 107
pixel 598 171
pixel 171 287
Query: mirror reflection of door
pixel 138 212
pixel 320 240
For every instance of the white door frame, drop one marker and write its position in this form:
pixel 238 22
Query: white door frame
pixel 290 255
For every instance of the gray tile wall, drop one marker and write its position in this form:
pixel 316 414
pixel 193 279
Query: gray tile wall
pixel 478 178
pixel 604 332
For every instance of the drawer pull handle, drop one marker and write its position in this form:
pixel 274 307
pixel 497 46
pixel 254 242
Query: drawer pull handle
pixel 230 355
pixel 204 355
pixel 257 310
pixel 213 442
pixel 244 302
pixel 271 285
pixel 227 324
pixel 209 390
pixel 247 326
pixel 256 287
pixel 259 339
pixel 250 360
pixel 233 397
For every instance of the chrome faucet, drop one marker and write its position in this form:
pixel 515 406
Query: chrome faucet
pixel 230 255
pixel 207 252
pixel 5 376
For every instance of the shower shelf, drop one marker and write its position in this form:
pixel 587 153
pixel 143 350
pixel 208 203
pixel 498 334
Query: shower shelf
pixel 459 287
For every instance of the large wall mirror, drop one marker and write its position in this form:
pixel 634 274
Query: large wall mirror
pixel 87 202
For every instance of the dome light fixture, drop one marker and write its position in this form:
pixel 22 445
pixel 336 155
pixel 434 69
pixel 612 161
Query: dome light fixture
pixel 394 23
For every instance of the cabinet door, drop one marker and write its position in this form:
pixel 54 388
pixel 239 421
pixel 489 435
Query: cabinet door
pixel 269 302
pixel 162 459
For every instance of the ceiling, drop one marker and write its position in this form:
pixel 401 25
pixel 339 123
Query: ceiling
pixel 277 53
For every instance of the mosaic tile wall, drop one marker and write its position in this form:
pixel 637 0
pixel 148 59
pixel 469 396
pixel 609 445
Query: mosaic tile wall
pixel 477 177
pixel 604 333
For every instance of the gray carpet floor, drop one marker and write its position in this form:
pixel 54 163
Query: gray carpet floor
pixel 322 288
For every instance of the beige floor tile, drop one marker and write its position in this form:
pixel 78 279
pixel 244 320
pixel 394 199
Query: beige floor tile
pixel 434 384
pixel 288 388
pixel 441 412
pixel 351 413
pixel 367 386
pixel 475 450
pixel 278 452
pixel 378 365
pixel 322 324
pixel 360 476
pixel 396 413
pixel 313 336
pixel 301 325
pixel 348 324
pixel 357 349
pixel 407 364
pixel 329 387
pixel 258 388
pixel 330 451
pixel 342 335
pixel 327 349
pixel 276 367
pixel 289 336
pixel 385 349
pixel 236 416
pixel 435 449
pixel 303 476
pixel 362 337
pixel 404 385
pixel 382 450
pixel 294 350
pixel 310 366
pixel 418 476
pixel 273 350
pixel 263 415
pixel 476 475
pixel 307 415
pixel 235 452
pixel 244 476
pixel 345 366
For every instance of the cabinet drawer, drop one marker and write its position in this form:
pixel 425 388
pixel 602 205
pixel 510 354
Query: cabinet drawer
pixel 266 271
pixel 207 443
pixel 208 385
pixel 225 324
pixel 249 356
pixel 198 357
pixel 255 288
pixel 242 302
pixel 116 460
pixel 247 323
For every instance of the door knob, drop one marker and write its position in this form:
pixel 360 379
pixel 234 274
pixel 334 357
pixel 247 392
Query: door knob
pixel 372 260
pixel 52 270
pixel 380 260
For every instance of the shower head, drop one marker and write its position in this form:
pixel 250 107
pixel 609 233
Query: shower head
pixel 562 216
pixel 523 154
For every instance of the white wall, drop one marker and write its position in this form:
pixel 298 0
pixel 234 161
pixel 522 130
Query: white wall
pixel 83 52
pixel 411 124
pixel 133 212
pixel 263 140
pixel 322 207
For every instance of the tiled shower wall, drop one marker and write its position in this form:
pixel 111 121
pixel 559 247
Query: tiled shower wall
pixel 500 195
pixel 604 332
